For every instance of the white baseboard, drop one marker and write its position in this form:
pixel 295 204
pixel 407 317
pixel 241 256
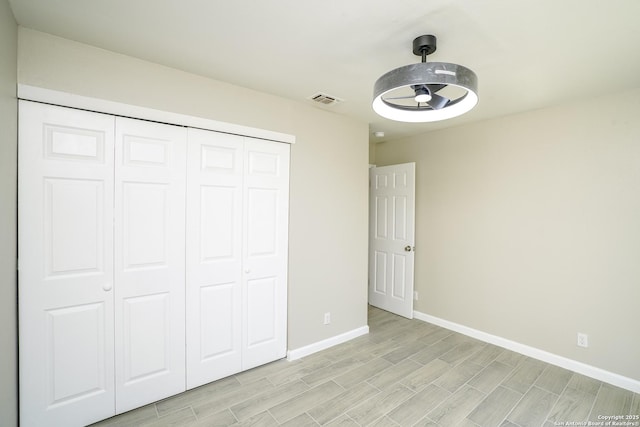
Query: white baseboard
pixel 324 344
pixel 563 362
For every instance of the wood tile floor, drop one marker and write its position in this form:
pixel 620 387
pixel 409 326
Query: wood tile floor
pixel 403 373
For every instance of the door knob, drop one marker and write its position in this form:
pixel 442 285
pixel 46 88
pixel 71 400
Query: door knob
pixel 106 287
pixel 407 248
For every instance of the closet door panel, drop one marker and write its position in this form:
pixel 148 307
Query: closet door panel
pixel 217 313
pixel 265 255
pixel 262 302
pixel 65 205
pixel 214 210
pixel 150 162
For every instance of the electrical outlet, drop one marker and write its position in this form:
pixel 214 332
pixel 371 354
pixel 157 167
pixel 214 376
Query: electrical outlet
pixel 415 295
pixel 327 318
pixel 583 340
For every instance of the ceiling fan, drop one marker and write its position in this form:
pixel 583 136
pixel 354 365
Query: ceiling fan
pixel 426 91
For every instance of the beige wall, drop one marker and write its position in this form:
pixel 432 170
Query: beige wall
pixel 528 227
pixel 329 178
pixel 8 160
pixel 372 152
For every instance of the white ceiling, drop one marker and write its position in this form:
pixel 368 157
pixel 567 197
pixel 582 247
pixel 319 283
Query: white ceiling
pixel 528 54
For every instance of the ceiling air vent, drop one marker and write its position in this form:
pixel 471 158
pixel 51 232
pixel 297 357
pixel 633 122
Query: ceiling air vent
pixel 324 99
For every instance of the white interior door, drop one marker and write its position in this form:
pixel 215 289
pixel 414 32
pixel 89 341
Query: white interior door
pixel 391 238
pixel 150 162
pixel 265 252
pixel 214 255
pixel 65 205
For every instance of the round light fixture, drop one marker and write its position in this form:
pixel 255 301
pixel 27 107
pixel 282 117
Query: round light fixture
pixel 425 92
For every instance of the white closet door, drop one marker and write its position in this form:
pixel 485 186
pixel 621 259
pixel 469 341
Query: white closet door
pixel 65 204
pixel 150 161
pixel 265 253
pixel 214 209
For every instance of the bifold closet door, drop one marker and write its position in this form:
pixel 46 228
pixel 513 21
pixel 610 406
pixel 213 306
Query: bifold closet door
pixel 214 256
pixel 237 237
pixel 150 162
pixel 101 275
pixel 104 203
pixel 265 251
pixel 65 234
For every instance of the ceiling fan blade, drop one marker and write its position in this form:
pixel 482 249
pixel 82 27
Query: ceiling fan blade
pixel 437 102
pixel 433 88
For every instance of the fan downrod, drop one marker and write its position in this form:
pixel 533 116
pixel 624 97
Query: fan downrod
pixel 424 45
